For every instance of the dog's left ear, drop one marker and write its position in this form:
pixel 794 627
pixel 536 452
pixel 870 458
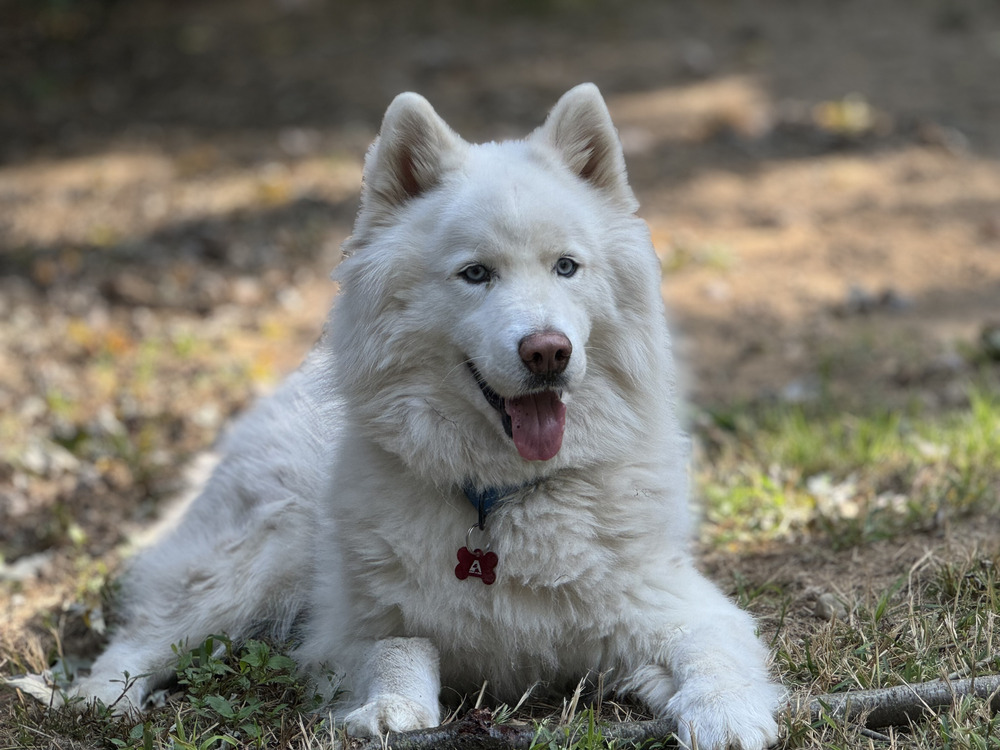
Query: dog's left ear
pixel 580 129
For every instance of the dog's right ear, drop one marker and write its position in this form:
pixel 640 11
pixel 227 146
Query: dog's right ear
pixel 415 147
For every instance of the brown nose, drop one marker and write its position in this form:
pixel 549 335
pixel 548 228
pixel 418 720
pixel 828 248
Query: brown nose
pixel 545 353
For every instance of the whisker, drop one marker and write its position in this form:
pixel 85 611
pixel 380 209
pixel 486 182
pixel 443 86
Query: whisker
pixel 464 363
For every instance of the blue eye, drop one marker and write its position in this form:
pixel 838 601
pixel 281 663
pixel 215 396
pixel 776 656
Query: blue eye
pixel 477 273
pixel 566 266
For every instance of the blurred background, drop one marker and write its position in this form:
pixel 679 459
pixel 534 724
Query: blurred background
pixel 821 179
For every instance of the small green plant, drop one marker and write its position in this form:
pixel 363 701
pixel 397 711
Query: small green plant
pixel 140 736
pixel 580 733
pixel 242 693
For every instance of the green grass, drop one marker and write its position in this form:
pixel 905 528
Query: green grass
pixel 775 472
pixel 240 696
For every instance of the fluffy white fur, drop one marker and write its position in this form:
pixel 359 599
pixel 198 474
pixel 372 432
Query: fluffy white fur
pixel 338 507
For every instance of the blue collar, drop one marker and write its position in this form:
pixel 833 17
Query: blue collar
pixel 486 500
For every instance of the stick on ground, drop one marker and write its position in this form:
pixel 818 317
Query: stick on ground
pixel 883 707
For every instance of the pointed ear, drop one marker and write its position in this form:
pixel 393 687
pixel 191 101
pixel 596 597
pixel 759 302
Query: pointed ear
pixel 580 129
pixel 414 149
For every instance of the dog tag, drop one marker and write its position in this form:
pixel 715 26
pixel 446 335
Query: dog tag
pixel 477 564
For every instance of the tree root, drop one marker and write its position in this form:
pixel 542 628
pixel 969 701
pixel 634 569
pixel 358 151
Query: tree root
pixel 884 707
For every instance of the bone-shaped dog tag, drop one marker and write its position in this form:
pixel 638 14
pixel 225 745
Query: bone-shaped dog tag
pixel 477 564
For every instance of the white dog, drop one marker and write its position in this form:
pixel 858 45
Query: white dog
pixel 479 473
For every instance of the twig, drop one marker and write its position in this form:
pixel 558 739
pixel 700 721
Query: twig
pixel 884 707
pixel 898 706
pixel 975 668
pixel 873 735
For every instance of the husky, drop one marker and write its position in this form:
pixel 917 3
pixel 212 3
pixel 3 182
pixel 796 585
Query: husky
pixel 479 473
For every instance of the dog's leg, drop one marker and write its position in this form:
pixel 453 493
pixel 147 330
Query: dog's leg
pixel 401 679
pixel 709 671
pixel 123 676
pixel 178 595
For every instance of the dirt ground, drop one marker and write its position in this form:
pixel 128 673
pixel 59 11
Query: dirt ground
pixel 822 180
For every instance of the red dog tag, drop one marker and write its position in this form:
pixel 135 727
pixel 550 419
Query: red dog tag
pixel 477 564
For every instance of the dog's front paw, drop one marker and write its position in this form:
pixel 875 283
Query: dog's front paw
pixel 123 697
pixel 716 717
pixel 390 713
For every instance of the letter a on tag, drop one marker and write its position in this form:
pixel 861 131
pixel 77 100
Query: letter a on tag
pixel 476 564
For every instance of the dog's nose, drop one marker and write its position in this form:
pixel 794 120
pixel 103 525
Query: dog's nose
pixel 545 353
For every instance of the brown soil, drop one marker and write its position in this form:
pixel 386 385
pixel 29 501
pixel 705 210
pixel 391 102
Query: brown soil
pixel 822 180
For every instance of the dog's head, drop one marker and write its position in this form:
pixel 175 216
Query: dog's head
pixel 498 299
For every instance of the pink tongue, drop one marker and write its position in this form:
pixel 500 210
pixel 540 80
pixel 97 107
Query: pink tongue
pixel 537 423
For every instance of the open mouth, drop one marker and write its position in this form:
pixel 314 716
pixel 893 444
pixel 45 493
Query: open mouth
pixel 535 421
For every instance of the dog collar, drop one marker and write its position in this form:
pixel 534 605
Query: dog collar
pixel 474 562
pixel 486 500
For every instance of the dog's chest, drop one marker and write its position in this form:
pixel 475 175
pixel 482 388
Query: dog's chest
pixel 515 585
pixel 561 577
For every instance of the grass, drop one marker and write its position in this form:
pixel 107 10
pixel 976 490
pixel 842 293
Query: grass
pixel 776 472
pixel 939 620
pixel 779 475
pixel 241 696
pixel 773 477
